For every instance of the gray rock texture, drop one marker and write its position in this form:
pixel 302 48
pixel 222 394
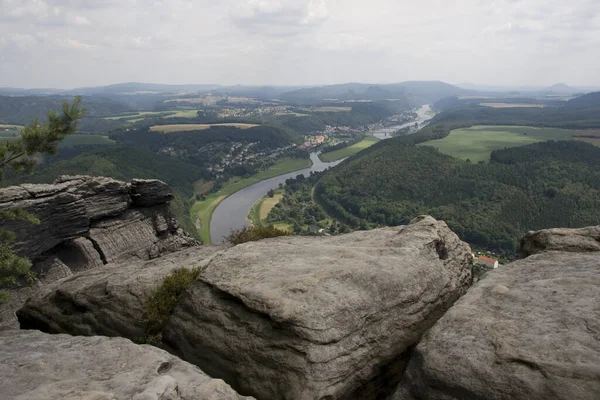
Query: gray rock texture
pixel 37 366
pixel 106 301
pixel 320 318
pixel 561 239
pixel 527 331
pixel 86 222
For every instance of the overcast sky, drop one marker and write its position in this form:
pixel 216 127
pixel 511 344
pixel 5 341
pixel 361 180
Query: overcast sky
pixel 73 43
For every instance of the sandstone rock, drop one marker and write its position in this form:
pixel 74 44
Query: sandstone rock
pixel 149 192
pixel 320 318
pixel 106 301
pixel 527 331
pixel 561 239
pixel 86 222
pixel 37 366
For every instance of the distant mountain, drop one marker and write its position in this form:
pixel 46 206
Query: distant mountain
pixel 587 100
pixel 260 92
pixel 7 91
pixel 140 88
pixel 416 92
pixel 563 89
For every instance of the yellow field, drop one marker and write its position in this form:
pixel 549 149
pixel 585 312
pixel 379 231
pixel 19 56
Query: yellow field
pixel 512 105
pixel 268 204
pixel 331 109
pixel 195 127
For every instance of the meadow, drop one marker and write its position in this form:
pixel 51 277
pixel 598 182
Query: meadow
pixel 478 142
pixel 368 141
pixel 140 116
pixel 195 127
pixel 202 210
pixel 512 105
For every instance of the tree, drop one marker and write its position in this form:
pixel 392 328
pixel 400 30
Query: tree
pixel 35 138
pixel 271 193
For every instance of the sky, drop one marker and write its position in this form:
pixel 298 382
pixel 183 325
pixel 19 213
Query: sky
pixel 75 43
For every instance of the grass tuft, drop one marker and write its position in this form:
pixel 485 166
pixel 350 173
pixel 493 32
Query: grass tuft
pixel 162 301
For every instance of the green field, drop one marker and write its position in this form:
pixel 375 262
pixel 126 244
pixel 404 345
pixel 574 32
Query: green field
pixel 478 142
pixel 203 210
pixel 140 116
pixel 368 141
pixel 132 116
pixel 76 140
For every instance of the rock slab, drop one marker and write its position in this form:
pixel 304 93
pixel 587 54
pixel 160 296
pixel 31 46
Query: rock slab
pixel 38 366
pixel 527 331
pixel 86 222
pixel 320 318
pixel 106 301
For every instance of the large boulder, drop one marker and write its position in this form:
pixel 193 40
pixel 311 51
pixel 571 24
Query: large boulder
pixel 106 301
pixel 37 366
pixel 320 318
pixel 86 222
pixel 561 239
pixel 527 331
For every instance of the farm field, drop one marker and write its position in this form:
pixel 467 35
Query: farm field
pixel 140 116
pixel 76 140
pixel 202 210
pixel 589 135
pixel 132 116
pixel 512 105
pixel 368 141
pixel 478 142
pixel 195 127
pixel 9 130
pixel 263 207
pixel 330 109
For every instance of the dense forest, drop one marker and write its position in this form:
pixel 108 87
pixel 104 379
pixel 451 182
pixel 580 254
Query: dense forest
pixel 583 113
pixel 21 110
pixel 124 163
pixel 542 185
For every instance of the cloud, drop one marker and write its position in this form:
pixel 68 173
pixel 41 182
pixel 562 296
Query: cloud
pixel 42 42
pixel 280 17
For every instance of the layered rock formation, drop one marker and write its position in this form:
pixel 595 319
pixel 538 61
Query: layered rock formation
pixel 86 222
pixel 320 318
pixel 106 301
pixel 37 366
pixel 529 330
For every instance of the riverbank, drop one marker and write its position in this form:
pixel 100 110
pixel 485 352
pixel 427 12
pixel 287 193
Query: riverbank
pixel 368 141
pixel 202 211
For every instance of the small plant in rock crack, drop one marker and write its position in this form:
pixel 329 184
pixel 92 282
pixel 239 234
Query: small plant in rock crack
pixel 163 299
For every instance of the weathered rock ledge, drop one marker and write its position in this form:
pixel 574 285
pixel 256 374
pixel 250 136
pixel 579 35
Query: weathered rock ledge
pixel 527 331
pixel 87 222
pixel 106 301
pixel 38 366
pixel 320 318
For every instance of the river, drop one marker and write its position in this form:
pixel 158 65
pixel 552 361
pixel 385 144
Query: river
pixel 423 117
pixel 232 213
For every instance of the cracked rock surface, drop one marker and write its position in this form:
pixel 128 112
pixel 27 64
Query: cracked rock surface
pixel 526 331
pixel 38 366
pixel 320 318
pixel 86 222
pixel 106 301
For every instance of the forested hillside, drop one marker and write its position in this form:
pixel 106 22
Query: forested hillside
pixel 579 115
pixel 490 205
pixel 21 110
